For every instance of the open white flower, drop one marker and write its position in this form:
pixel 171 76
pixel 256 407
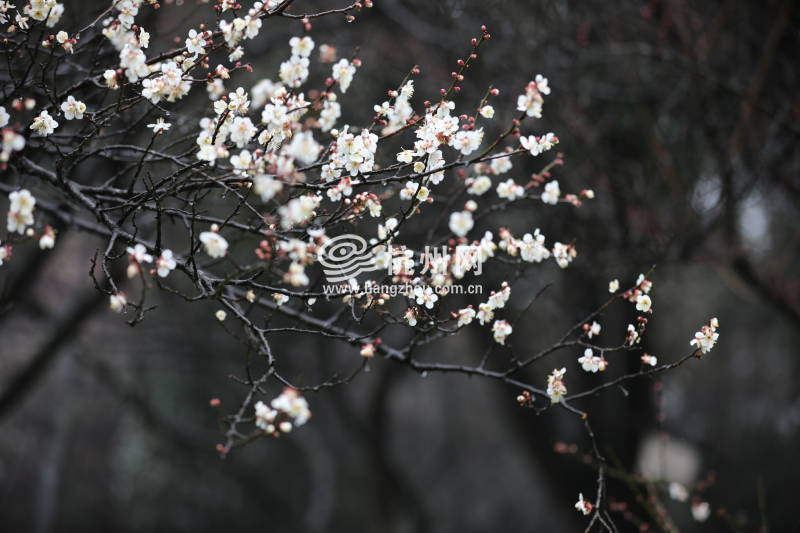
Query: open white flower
pixel 292 405
pixel 139 254
pixel 465 316
pixel 44 124
pixel 537 145
pixel 73 109
pixel 501 329
pixel 343 72
pixel 591 362
pixel 215 244
pixel 301 46
pixel 551 193
pixel 159 126
pixel 509 190
pixel 643 303
pixel 425 296
pixel 461 222
pixel 706 338
pixel 165 263
pixel 4 117
pixel 195 43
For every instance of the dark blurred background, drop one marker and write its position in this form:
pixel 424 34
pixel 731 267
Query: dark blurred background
pixel 681 115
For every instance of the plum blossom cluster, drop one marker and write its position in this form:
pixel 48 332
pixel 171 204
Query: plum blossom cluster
pixel 705 339
pixel 285 412
pixel 235 198
pixel 20 211
pixel 501 329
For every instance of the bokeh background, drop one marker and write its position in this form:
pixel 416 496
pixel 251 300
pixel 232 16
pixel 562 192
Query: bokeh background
pixel 683 116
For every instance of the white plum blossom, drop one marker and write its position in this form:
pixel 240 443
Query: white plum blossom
pixel 66 43
pixel 343 72
pixel 643 303
pixel 265 416
pixel 551 193
pixel 117 302
pixel 537 145
pixel 296 275
pixel 215 244
pixel 242 130
pixel 301 46
pixel 355 153
pixel 20 212
pixel 564 254
pixel 556 389
pixel 242 161
pixel 499 298
pixel 593 329
pixel 266 187
pixel 195 43
pixel 706 338
pixel 304 148
pixel 44 124
pixel 648 359
pixel 467 142
pixel 294 71
pixel 159 126
pixel 501 329
pixel 531 102
pixel 139 254
pixel 461 222
pixel 584 506
pixel 405 156
pixel 292 405
pixel 22 201
pixel 170 85
pixel 110 77
pixel 701 511
pixel 632 335
pixel 4 117
pixel 414 190
pixel 330 113
pixel 487 111
pixel 466 316
pixel 542 84
pixel 591 362
pixel 48 239
pixel 298 210
pixel 220 315
pixel 532 248
pixel 478 185
pixel 411 317
pixel 165 263
pixel 501 165
pixel 425 296
pixel 73 109
pixel 613 286
pixel 134 62
pixel 485 313
pixel 510 191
